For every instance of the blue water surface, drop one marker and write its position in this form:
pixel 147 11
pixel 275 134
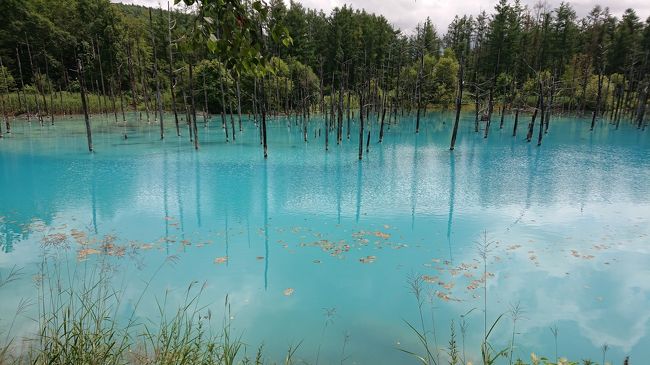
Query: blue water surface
pixel 317 248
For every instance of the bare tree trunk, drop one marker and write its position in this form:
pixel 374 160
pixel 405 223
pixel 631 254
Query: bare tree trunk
pixel 232 119
pixel 223 105
pixel 2 99
pixel 489 116
pixel 155 76
pixel 419 93
pixel 381 127
pixel 238 106
pixel 4 111
pixel 643 101
pixel 172 78
pixel 193 111
pixel 188 117
pixel 264 120
pixel 541 114
pixel 598 96
pixel 361 106
pixel 82 85
pixel 459 101
pixel 531 126
pixel 348 116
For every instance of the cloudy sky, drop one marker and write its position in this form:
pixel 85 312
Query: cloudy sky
pixel 406 13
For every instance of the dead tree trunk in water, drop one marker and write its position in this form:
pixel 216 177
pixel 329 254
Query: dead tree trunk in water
pixel 188 117
pixel 223 105
pixel 2 98
pixel 339 118
pixel 598 96
pixel 459 100
pixel 111 87
pixel 4 77
pixel 348 112
pixel 264 120
pixel 642 107
pixel 541 113
pixel 419 93
pixel 361 125
pixel 531 126
pixel 381 127
pixel 155 76
pixel 489 116
pixel 514 127
pixel 84 104
pixel 193 111
pixel 549 105
pixel 205 102
pixel 238 105
pixel 172 78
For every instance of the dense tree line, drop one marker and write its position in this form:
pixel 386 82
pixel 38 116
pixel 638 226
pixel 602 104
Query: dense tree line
pixel 278 58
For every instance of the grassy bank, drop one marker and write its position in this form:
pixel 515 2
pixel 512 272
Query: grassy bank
pixel 68 103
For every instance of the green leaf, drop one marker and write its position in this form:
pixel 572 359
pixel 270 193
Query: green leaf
pixel 287 42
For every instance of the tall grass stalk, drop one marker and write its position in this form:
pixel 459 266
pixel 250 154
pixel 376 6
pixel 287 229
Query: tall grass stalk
pixel 554 331
pixel 79 323
pixel 515 314
pixel 329 319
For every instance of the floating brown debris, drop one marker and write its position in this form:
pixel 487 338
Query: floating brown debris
pixel 111 249
pixel 79 236
pixel 446 296
pixel 430 279
pixel 382 235
pixel 83 253
pixel 260 258
pixel 368 259
pixel 448 285
pixel 334 248
pixel 54 239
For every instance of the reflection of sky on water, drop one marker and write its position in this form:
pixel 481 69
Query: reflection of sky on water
pixel 570 221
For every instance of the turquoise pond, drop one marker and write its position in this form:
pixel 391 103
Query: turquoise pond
pixel 318 247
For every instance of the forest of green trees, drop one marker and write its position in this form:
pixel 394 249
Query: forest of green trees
pixel 278 58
